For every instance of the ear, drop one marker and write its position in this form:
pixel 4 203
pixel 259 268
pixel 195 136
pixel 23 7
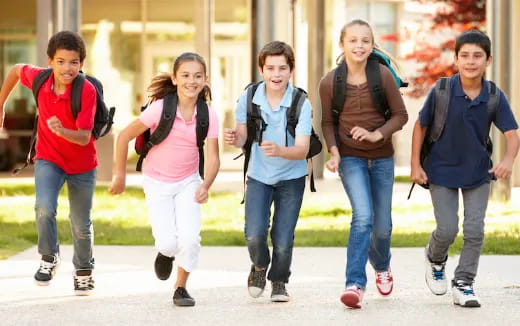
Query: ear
pixel 489 60
pixel 49 61
pixel 173 80
pixel 260 70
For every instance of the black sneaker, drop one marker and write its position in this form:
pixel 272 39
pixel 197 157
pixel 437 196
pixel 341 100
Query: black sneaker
pixel 256 282
pixel 83 282
pixel 47 269
pixel 279 293
pixel 163 266
pixel 182 298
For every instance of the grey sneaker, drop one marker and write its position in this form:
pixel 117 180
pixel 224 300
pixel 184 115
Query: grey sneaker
pixel 256 282
pixel 182 298
pixel 463 294
pixel 279 293
pixel 47 269
pixel 435 275
pixel 83 282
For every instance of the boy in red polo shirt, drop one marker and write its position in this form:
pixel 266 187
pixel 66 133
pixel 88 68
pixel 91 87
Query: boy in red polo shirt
pixel 65 152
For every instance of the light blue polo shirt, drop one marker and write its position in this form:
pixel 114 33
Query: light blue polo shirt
pixel 271 170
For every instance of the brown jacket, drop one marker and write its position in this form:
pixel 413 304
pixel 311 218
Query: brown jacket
pixel 359 110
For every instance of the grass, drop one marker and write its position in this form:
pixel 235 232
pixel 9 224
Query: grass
pixel 122 220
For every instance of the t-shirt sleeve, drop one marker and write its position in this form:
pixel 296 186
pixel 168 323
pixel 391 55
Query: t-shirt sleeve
pixel 213 129
pixel 241 109
pixel 85 119
pixel 426 113
pixel 27 75
pixel 303 128
pixel 151 116
pixel 504 118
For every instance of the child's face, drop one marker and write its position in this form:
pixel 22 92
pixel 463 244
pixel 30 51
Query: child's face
pixel 66 66
pixel 190 79
pixel 276 72
pixel 471 61
pixel 357 44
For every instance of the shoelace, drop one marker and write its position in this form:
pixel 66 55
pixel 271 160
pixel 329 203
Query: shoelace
pixel 466 289
pixel 46 267
pixel 84 281
pixel 438 272
pixel 279 287
pixel 384 277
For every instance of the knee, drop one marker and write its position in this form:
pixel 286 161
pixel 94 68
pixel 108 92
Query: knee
pixel 447 234
pixel 167 247
pixel 256 240
pixel 82 232
pixel 362 222
pixel 282 250
pixel 382 234
pixel 44 211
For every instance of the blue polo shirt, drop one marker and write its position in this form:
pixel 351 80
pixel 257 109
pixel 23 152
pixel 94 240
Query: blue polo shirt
pixel 459 158
pixel 271 170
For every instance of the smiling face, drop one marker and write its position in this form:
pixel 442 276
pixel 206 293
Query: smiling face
pixel 276 73
pixel 66 65
pixel 472 61
pixel 357 43
pixel 190 79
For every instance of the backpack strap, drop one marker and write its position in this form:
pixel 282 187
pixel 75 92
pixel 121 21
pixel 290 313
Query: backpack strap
pixel 162 131
pixel 494 98
pixel 75 94
pixel 442 93
pixel 202 131
pixel 293 112
pixel 375 87
pixel 339 93
pixel 106 120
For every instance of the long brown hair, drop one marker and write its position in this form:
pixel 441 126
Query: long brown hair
pixel 162 84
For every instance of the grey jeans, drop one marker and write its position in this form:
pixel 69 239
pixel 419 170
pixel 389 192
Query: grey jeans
pixel 445 205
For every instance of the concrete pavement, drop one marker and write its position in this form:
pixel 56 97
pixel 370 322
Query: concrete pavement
pixel 127 292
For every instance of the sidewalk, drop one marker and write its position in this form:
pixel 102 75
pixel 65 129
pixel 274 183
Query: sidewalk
pixel 127 292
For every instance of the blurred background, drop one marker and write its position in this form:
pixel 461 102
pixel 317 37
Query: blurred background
pixel 130 41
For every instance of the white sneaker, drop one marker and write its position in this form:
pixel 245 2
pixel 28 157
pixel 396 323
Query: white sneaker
pixel 463 294
pixel 435 276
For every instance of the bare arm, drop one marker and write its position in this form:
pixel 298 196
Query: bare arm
pixel 9 84
pixel 236 137
pixel 79 136
pixel 297 152
pixel 417 173
pixel 134 129
pixel 505 167
pixel 211 167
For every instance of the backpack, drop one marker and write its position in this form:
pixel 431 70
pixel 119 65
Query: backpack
pixel 375 85
pixel 439 114
pixel 145 141
pixel 256 126
pixel 103 119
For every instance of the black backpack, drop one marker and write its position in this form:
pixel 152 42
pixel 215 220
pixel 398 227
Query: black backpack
pixel 256 126
pixel 145 141
pixel 442 90
pixel 375 86
pixel 103 119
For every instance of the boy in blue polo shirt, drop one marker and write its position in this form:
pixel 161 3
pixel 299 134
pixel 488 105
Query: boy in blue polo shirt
pixel 459 160
pixel 276 172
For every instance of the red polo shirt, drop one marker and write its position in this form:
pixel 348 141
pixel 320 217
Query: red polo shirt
pixel 72 158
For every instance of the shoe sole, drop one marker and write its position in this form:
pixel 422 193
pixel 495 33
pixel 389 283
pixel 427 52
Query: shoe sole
pixel 183 303
pixel 280 298
pixel 255 292
pixel 82 293
pixel 385 294
pixel 350 300
pixel 42 283
pixel 468 304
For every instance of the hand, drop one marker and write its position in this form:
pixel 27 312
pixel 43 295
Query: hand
pixel 118 185
pixel 55 125
pixel 418 175
pixel 230 136
pixel 503 170
pixel 1 119
pixel 270 148
pixel 361 134
pixel 333 164
pixel 201 195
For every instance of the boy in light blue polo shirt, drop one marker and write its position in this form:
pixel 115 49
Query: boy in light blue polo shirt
pixel 276 171
pixel 459 159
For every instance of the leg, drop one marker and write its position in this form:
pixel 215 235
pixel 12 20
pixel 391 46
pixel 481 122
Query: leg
pixel 354 176
pixel 287 197
pixel 475 205
pixel 81 190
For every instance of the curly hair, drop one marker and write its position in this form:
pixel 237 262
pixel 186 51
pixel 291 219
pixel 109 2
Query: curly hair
pixel 66 40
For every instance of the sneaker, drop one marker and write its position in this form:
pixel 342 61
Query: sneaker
pixel 163 266
pixel 182 298
pixel 435 276
pixel 384 282
pixel 256 282
pixel 83 282
pixel 463 294
pixel 279 294
pixel 352 297
pixel 47 269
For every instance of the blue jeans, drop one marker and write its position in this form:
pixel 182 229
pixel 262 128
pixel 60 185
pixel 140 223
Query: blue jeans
pixel 49 179
pixel 287 197
pixel 369 184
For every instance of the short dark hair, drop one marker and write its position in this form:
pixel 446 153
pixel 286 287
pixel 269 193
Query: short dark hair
pixel 473 37
pixel 66 40
pixel 276 48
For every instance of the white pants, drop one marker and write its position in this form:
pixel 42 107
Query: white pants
pixel 175 218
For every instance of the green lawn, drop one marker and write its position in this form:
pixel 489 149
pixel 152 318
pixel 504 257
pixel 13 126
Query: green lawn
pixel 123 220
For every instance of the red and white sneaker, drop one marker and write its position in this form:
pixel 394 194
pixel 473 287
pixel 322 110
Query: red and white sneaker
pixel 352 297
pixel 384 282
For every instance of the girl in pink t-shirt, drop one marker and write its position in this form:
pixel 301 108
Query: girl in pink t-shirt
pixel 171 182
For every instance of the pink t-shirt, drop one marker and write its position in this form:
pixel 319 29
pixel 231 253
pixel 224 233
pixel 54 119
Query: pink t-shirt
pixel 176 157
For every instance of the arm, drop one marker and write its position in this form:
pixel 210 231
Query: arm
pixel 504 169
pixel 399 116
pixel 327 121
pixel 417 173
pixel 80 136
pixel 134 129
pixel 236 137
pixel 211 167
pixel 297 152
pixel 9 83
